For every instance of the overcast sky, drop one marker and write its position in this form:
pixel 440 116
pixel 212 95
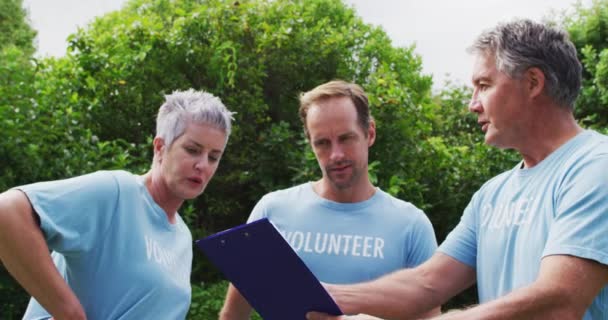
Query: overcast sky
pixel 440 29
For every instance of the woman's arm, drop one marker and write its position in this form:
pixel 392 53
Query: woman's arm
pixel 25 254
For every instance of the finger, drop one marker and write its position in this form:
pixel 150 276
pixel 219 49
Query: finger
pixel 321 316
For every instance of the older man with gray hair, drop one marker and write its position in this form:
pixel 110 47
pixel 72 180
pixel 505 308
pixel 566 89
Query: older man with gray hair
pixel 534 237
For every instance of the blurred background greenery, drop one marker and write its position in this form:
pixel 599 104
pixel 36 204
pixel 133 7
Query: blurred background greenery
pixel 94 108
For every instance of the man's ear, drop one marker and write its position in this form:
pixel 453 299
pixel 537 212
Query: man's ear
pixel 535 81
pixel 371 133
pixel 159 147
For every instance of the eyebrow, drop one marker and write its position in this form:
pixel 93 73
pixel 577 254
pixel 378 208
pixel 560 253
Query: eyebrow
pixel 203 147
pixel 477 79
pixel 343 135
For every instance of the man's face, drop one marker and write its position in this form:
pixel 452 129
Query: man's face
pixel 339 143
pixel 499 102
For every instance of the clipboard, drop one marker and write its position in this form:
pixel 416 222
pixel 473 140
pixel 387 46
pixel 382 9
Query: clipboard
pixel 267 271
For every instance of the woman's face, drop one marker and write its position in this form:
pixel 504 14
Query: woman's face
pixel 187 165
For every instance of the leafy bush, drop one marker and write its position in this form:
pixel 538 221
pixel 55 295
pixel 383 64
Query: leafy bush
pixel 14 27
pixel 207 301
pixel 588 28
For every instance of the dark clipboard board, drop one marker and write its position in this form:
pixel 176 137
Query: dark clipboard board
pixel 267 271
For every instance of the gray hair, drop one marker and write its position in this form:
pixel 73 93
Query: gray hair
pixel 183 107
pixel 523 44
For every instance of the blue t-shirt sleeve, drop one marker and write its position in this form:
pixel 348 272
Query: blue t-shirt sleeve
pixel 581 218
pixel 422 241
pixel 74 213
pixel 35 311
pixel 461 243
pixel 260 209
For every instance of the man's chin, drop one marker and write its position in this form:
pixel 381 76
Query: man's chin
pixel 342 184
pixel 490 140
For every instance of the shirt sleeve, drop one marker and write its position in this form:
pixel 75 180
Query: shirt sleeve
pixel 422 242
pixel 581 218
pixel 260 210
pixel 461 243
pixel 74 213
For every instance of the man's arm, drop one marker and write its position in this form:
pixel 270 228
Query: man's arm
pixel 235 307
pixel 405 294
pixel 431 314
pixel 565 288
pixel 25 254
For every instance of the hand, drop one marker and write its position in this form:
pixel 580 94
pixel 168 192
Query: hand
pixel 323 316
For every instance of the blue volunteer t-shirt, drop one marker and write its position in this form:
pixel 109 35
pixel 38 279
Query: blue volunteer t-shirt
pixel 349 242
pixel 559 206
pixel 115 247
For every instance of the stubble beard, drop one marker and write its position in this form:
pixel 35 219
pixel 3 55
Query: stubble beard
pixel 342 184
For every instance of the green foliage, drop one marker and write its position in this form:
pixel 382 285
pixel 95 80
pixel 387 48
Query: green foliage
pixel 42 126
pixel 12 298
pixel 14 27
pixel 207 301
pixel 588 28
